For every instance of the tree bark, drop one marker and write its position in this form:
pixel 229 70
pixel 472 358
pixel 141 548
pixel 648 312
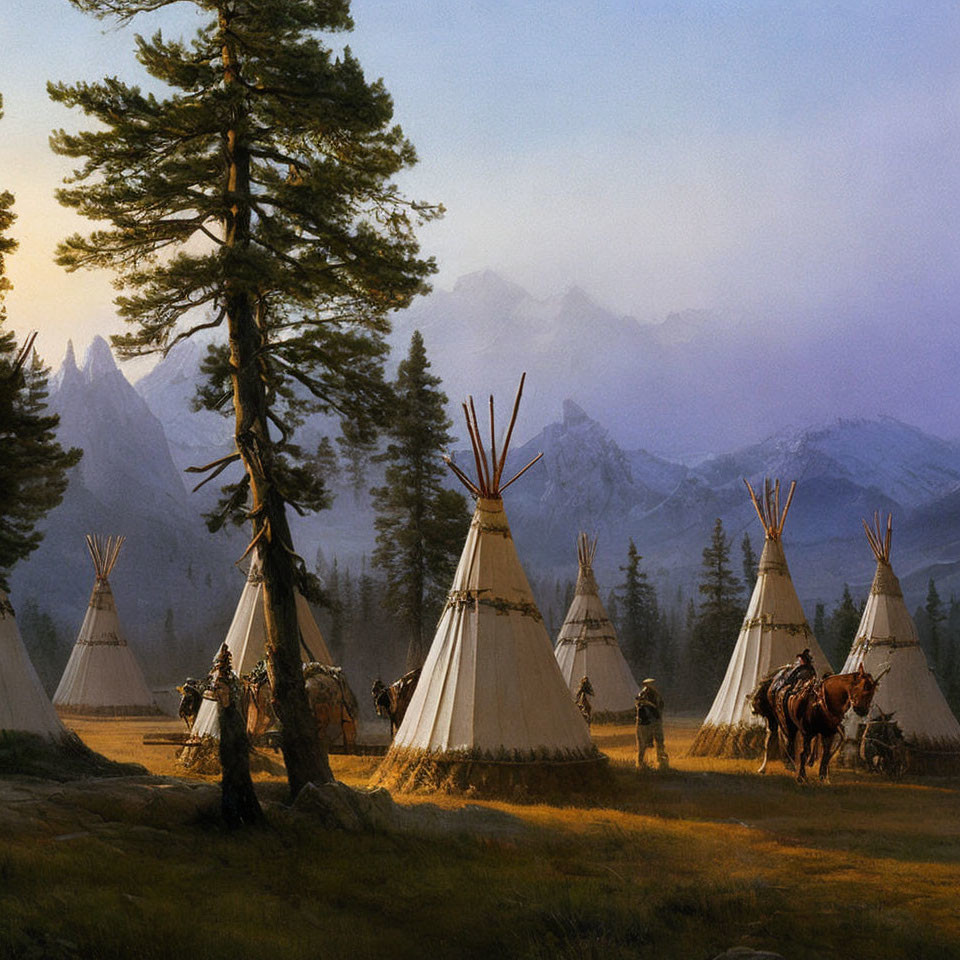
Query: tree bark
pixel 303 751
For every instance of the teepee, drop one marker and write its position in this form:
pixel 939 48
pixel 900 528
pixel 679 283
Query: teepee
pixel 102 676
pixel 491 710
pixel 24 706
pixel 247 642
pixel 774 631
pixel 587 644
pixel 887 638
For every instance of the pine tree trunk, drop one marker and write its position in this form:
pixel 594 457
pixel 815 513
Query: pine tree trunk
pixel 303 751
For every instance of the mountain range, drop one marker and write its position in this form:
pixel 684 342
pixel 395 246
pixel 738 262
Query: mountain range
pixel 172 579
pixel 599 472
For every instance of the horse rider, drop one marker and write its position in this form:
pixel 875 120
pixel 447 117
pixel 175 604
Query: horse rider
pixel 800 670
pixel 649 705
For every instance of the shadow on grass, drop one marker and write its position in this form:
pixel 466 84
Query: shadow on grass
pixel 68 758
pixel 301 894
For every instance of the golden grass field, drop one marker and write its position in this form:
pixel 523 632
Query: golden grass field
pixel 684 864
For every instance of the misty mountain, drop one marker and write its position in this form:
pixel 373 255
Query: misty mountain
pixel 845 471
pixel 172 577
pixel 901 462
pixel 686 384
pixel 136 441
pixel 195 437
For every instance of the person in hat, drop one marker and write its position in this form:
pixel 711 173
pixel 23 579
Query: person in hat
pixel 649 704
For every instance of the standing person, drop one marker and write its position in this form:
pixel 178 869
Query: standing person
pixel 238 804
pixel 650 725
pixel 582 699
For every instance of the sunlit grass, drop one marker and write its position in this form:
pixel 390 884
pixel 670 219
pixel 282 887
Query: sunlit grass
pixel 684 864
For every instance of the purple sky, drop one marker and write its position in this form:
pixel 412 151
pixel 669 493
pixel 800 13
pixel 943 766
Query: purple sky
pixel 792 166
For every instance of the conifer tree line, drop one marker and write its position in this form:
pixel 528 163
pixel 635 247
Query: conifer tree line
pixel 938 624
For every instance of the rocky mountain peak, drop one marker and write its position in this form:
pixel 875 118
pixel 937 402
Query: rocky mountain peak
pixel 98 361
pixel 488 285
pixel 574 415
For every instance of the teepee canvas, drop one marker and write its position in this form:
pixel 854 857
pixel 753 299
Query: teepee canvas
pixel 102 676
pixel 774 631
pixel 491 709
pixel 587 644
pixel 247 642
pixel 24 706
pixel 887 640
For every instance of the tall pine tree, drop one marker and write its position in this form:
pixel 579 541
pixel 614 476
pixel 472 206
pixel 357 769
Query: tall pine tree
pixel 842 630
pixel 420 525
pixel 750 563
pixel 256 200
pixel 720 614
pixel 935 616
pixel 639 614
pixel 33 466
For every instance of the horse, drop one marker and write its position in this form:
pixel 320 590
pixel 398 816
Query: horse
pixel 330 698
pixel 332 701
pixel 393 701
pixel 767 701
pixel 191 697
pixel 817 709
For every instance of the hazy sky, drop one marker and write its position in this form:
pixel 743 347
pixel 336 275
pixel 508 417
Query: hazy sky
pixel 793 164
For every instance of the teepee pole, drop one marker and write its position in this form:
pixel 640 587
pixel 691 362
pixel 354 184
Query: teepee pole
pixel 483 453
pixel 493 445
pixel 517 476
pixel 506 442
pixel 462 477
pixel 870 538
pixel 756 505
pixel 476 452
pixel 786 506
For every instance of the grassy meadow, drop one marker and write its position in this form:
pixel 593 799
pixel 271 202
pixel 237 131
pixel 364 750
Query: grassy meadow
pixel 684 864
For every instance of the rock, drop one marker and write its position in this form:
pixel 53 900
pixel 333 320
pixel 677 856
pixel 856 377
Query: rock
pixel 339 807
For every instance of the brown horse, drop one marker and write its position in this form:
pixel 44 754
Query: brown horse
pixel 817 708
pixel 767 701
pixel 393 701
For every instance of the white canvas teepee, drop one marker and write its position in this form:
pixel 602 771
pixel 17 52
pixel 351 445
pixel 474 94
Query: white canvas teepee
pixel 587 644
pixel 774 631
pixel 102 676
pixel 887 638
pixel 24 706
pixel 247 642
pixel 491 709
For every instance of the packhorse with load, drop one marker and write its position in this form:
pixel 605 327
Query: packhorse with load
pixel 802 710
pixel 392 701
pixel 329 696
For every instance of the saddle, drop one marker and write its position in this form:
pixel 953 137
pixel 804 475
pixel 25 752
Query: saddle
pixel 787 681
